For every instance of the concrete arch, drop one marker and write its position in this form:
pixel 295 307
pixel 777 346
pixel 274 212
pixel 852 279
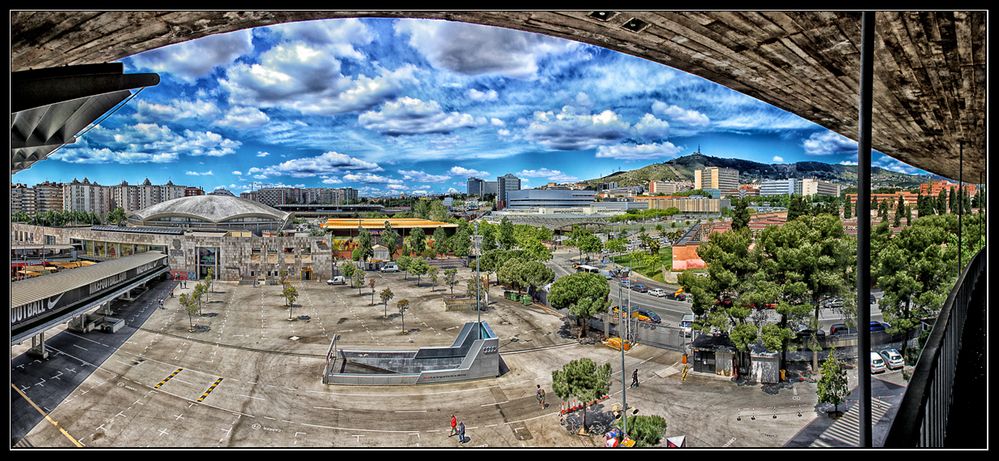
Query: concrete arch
pixel 929 66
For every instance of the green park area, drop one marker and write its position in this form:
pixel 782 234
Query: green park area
pixel 646 264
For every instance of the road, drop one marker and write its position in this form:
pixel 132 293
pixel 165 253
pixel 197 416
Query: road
pixel 672 311
pixel 72 360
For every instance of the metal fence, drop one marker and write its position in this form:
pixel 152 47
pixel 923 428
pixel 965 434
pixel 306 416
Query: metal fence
pixel 921 420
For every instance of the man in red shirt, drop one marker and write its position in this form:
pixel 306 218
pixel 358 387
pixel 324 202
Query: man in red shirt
pixel 454 426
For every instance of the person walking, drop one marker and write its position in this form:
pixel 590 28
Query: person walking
pixel 454 426
pixel 161 303
pixel 634 378
pixel 461 432
pixel 541 396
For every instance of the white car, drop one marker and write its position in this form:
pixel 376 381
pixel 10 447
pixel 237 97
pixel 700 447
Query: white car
pixel 390 267
pixel 658 292
pixel 877 363
pixel 686 323
pixel 893 359
pixel 337 280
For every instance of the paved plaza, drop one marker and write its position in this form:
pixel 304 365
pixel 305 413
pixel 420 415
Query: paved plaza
pixel 253 378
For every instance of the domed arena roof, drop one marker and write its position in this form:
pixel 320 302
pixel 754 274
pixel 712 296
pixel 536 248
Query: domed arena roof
pixel 209 208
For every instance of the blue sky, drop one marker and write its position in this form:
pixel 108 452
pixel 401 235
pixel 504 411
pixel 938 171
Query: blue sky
pixel 416 106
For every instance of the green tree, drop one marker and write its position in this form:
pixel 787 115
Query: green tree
pixel 899 211
pixel 348 268
pixel 914 270
pixel 209 279
pixel 511 273
pixel 433 273
pixel 583 380
pixel 197 293
pixel 461 242
pixel 419 268
pixel 506 237
pixel 403 263
pixel 357 280
pixel 796 207
pixel 617 245
pixel 438 212
pixel 908 215
pixel 440 241
pixel 941 202
pixel 117 216
pixel 190 306
pixel 389 238
pixel 847 209
pixel 371 284
pixel 536 274
pixel 583 293
pixel 832 386
pixel 646 431
pixel 386 295
pixel 534 250
pixel 806 260
pixel 488 234
pixel 952 204
pixel 403 306
pixel 290 295
pixel 740 214
pixel 451 278
pixel 417 240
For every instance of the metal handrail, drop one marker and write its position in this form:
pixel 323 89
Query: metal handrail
pixel 921 419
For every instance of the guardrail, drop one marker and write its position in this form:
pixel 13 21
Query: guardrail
pixel 921 420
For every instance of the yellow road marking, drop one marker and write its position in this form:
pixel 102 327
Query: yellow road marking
pixel 210 389
pixel 168 378
pixel 47 417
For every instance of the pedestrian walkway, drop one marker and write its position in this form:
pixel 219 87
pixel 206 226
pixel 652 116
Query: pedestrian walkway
pixel 844 432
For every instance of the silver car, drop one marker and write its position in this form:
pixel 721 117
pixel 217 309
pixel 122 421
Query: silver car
pixel 893 359
pixel 686 323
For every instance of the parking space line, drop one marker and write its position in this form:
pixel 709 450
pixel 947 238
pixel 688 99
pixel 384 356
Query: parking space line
pixel 168 378
pixel 210 389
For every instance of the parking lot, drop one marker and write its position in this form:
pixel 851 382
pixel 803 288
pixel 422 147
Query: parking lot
pixel 252 378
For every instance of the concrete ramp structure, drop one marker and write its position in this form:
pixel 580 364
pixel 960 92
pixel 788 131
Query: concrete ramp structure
pixel 473 355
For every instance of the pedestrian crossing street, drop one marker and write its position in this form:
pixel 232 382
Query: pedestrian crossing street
pixel 844 431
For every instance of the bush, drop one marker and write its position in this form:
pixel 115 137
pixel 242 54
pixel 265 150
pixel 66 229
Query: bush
pixel 646 431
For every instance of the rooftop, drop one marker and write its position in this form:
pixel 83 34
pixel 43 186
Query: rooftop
pixel 379 223
pixel 210 208
pixel 36 289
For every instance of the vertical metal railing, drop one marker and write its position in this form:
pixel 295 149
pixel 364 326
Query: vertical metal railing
pixel 921 420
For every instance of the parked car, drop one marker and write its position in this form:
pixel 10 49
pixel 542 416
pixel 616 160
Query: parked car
pixel 686 323
pixel 840 329
pixel 878 326
pixel 658 292
pixel 626 283
pixel 652 316
pixel 640 288
pixel 806 334
pixel 390 267
pixel 337 280
pixel 893 359
pixel 832 303
pixel 877 363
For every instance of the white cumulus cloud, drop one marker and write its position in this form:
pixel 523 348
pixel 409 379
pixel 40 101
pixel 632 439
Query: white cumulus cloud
pixel 639 151
pixel 462 171
pixel 414 116
pixel 827 143
pixel 194 59
pixel 680 115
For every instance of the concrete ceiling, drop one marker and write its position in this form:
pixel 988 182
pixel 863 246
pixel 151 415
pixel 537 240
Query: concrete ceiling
pixel 930 87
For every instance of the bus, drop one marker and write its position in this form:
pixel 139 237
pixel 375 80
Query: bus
pixel 585 268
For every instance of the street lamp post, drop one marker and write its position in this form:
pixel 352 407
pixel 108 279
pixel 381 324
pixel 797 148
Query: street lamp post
pixel 478 281
pixel 624 387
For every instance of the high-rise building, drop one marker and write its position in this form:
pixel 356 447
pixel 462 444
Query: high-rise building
pixel 126 197
pixel 724 179
pixel 475 186
pixel 504 185
pixel 490 188
pixel 48 197
pixel 668 187
pixel 86 196
pixel 22 199
pixel 773 187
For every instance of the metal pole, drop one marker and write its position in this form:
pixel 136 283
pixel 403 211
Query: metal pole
pixel 960 204
pixel 624 374
pixel 478 280
pixel 864 226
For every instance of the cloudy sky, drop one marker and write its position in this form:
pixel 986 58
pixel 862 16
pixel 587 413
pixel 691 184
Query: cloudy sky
pixel 416 106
